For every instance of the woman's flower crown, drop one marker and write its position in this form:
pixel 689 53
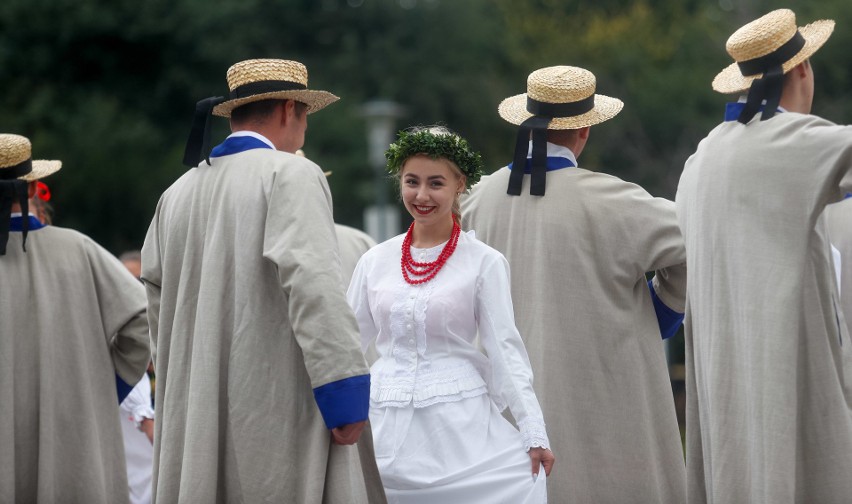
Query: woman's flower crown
pixel 436 145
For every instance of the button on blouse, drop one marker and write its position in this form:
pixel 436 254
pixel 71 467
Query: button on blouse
pixel 428 336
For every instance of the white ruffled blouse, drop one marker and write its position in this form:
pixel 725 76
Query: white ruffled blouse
pixel 426 335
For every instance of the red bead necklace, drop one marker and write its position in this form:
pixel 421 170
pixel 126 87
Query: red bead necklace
pixel 426 270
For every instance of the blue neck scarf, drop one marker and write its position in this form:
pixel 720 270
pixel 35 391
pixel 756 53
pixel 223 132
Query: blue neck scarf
pixel 733 110
pixel 237 144
pixel 16 224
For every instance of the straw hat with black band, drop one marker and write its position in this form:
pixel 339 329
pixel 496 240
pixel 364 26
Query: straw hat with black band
pixel 17 170
pixel 251 81
pixel 557 98
pixel 764 50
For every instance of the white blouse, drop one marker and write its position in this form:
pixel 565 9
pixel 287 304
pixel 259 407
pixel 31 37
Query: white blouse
pixel 426 335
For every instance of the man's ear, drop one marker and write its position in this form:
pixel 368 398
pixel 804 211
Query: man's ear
pixel 288 110
pixel 584 133
pixel 802 69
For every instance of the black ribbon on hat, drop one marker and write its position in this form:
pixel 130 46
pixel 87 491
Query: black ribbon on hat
pixel 198 144
pixel 11 189
pixel 770 86
pixel 261 87
pixel 536 126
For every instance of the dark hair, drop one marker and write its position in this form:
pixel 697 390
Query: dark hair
pixel 262 109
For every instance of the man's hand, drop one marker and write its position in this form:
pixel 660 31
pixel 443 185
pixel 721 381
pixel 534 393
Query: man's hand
pixel 347 434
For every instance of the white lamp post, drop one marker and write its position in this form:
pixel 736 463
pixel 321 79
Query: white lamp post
pixel 381 221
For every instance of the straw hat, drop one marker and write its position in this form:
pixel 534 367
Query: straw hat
pixel 764 36
pixel 267 79
pixel 16 150
pixel 561 85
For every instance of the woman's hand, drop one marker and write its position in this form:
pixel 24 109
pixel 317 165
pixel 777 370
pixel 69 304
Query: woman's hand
pixel 541 457
pixel 147 426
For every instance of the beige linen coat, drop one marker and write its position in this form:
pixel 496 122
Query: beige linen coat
pixel 71 318
pixel 247 317
pixel 769 361
pixel 838 221
pixel 352 244
pixel 578 258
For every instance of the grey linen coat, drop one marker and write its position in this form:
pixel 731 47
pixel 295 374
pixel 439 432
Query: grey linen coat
pixel 352 244
pixel 838 221
pixel 578 258
pixel 71 318
pixel 769 362
pixel 247 316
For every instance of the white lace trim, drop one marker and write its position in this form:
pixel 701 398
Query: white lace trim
pixel 443 385
pixel 533 433
pixel 430 400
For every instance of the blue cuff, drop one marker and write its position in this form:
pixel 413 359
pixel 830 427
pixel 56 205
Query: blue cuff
pixel 668 319
pixel 122 387
pixel 344 401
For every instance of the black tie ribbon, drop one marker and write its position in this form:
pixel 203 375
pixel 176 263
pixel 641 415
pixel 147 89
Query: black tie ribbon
pixel 771 84
pixel 198 143
pixel 536 126
pixel 11 189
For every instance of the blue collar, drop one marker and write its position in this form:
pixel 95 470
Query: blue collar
pixel 553 163
pixel 237 144
pixel 733 109
pixel 848 195
pixel 17 223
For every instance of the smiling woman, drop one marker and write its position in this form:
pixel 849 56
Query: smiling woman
pixel 435 399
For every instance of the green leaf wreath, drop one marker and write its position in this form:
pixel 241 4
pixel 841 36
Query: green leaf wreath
pixel 435 145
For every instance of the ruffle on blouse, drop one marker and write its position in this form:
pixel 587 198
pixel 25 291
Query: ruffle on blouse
pixel 445 385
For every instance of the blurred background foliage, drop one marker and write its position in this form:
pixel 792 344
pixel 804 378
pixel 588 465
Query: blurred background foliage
pixel 109 86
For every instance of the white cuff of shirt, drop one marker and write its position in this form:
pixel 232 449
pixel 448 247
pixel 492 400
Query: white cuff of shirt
pixel 141 413
pixel 533 433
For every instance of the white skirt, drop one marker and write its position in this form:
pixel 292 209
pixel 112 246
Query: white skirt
pixel 463 451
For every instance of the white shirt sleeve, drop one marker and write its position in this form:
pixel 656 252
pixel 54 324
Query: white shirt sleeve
pixel 359 301
pixel 512 377
pixel 137 404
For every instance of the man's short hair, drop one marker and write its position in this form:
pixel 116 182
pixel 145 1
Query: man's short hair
pixel 262 109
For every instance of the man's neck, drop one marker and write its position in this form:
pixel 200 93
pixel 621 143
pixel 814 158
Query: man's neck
pixel 792 105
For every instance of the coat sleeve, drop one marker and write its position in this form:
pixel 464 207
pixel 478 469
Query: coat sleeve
pixel 299 238
pixel 656 245
pixel 828 172
pixel 121 301
pixel 152 278
pixel 512 377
